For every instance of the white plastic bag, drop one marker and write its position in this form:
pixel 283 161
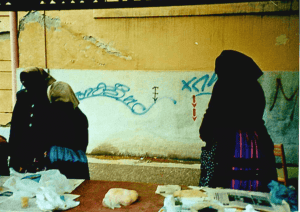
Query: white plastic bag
pixel 249 208
pixel 170 206
pixel 47 199
pixel 25 187
pixel 48 187
pixel 53 178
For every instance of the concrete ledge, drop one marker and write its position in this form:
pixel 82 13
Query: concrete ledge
pixel 142 171
pixel 207 9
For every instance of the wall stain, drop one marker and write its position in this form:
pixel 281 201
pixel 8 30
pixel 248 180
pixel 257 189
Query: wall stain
pixel 281 40
pixel 5 35
pixel 105 149
pixel 106 47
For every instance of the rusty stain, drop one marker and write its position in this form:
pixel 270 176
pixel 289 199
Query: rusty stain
pixel 106 47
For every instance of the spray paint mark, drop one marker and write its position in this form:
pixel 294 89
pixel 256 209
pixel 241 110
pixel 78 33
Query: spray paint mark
pixel 119 93
pixel 155 98
pixel 194 108
pixel 280 87
pixel 207 83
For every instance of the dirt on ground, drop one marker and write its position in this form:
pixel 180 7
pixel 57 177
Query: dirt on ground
pixel 146 159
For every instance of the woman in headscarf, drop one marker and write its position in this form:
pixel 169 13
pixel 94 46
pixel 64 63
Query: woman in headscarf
pixel 3 157
pixel 48 130
pixel 239 151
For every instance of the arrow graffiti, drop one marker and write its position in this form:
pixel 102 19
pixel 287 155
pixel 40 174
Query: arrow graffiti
pixel 194 101
pixel 155 98
pixel 194 108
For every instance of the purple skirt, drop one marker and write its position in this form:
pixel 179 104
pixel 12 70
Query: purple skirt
pixel 246 148
pixel 242 160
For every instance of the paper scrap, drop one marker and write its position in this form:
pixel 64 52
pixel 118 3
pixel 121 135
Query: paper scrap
pixel 166 190
pixel 189 193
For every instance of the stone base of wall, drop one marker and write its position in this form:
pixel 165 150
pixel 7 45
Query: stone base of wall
pixel 145 172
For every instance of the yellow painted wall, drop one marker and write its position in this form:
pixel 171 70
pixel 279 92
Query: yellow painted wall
pixel 80 41
pixel 5 70
pixel 83 39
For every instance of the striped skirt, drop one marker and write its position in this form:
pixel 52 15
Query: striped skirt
pixel 246 164
pixel 246 148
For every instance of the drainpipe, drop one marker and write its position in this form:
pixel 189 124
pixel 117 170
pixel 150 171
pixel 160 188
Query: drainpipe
pixel 13 16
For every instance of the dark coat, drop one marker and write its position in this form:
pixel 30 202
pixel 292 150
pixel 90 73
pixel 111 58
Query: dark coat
pixel 37 125
pixel 3 157
pixel 233 106
pixel 237 103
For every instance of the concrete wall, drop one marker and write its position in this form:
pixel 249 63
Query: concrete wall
pixel 180 39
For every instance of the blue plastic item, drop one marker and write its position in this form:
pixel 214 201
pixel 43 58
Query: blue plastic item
pixel 34 177
pixel 280 192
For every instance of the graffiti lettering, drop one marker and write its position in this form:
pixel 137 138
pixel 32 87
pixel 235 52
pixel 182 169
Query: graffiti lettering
pixel 206 83
pixel 280 87
pixel 117 92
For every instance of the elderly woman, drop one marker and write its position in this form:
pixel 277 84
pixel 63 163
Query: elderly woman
pixel 239 150
pixel 48 130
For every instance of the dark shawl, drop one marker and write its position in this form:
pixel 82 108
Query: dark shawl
pixel 3 156
pixel 29 135
pixel 237 103
pixel 237 100
pixel 37 124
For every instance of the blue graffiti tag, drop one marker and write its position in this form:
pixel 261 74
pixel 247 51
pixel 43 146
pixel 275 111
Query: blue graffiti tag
pixel 206 83
pixel 117 92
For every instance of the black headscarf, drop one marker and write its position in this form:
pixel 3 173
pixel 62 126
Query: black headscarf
pixel 233 65
pixel 35 79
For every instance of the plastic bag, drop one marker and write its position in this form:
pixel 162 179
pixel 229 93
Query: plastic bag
pixel 249 208
pixel 280 192
pixel 48 187
pixel 170 205
pixel 27 183
pixel 47 199
pixel 116 197
pixel 25 187
pixel 53 178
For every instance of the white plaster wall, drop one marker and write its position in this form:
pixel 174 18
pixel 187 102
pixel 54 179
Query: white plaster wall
pixel 167 128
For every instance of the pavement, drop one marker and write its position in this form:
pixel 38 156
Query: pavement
pixel 146 171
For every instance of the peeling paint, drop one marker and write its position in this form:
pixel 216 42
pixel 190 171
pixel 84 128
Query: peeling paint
pixel 281 40
pixel 4 35
pixel 106 47
pixel 35 16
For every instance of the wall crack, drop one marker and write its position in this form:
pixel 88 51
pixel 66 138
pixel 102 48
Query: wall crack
pixel 108 49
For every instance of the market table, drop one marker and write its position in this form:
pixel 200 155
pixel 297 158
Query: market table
pixel 92 193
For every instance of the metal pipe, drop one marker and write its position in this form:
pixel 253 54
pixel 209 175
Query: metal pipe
pixel 45 36
pixel 13 16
